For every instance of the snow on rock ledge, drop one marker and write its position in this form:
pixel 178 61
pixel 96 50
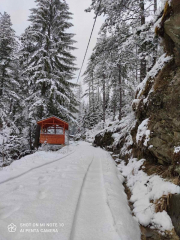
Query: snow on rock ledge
pixel 146 190
pixel 117 137
pixel 153 72
pixel 177 149
pixel 143 132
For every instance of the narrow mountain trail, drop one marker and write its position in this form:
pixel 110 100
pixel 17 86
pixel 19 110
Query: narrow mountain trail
pixel 76 195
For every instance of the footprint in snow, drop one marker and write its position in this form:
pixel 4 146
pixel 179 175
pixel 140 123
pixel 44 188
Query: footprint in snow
pixel 7 211
pixel 43 180
pixel 51 170
pixel 63 175
pixel 20 187
pixel 42 194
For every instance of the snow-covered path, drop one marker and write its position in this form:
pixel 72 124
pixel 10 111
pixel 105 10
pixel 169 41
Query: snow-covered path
pixel 73 194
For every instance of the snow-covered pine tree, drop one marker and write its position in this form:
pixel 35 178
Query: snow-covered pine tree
pixel 9 85
pixel 11 107
pixel 49 64
pixel 89 79
pixel 125 51
pixel 138 15
pixel 108 71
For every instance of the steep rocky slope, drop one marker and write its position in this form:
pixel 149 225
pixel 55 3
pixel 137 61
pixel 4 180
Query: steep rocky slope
pixel 155 130
pixel 158 97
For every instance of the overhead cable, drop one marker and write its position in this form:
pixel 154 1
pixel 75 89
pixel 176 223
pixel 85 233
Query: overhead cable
pixel 89 40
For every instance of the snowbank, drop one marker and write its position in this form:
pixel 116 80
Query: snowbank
pixel 30 162
pixel 146 190
pixel 117 201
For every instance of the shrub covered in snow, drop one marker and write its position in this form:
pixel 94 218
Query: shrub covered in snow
pixel 121 134
pixel 12 147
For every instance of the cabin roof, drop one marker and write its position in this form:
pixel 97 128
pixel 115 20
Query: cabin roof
pixel 53 121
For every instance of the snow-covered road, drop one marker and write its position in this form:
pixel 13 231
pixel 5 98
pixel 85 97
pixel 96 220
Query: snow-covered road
pixel 73 194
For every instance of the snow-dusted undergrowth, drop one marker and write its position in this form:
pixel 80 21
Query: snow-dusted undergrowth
pixel 120 129
pixel 125 126
pixel 91 133
pixel 146 190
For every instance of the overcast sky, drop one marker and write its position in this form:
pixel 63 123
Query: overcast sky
pixel 83 22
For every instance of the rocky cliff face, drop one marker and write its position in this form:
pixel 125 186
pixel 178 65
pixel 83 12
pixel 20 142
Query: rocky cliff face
pixel 158 98
pixel 158 105
pixel 156 132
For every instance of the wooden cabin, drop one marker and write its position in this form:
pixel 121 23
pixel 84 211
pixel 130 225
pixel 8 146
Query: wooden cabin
pixel 53 130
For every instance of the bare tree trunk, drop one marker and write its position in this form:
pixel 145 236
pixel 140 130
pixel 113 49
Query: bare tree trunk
pixel 2 82
pixel 104 100
pixel 68 137
pixel 93 92
pixel 108 87
pixel 136 64
pixel 155 6
pixel 37 135
pixel 120 94
pixel 143 20
pixel 143 60
pixel 114 110
pixel 114 100
pixel 89 95
pixel 143 69
pixel 3 151
pixel 1 88
pixel 98 92
pixel 30 138
pixel 156 39
pixel 79 97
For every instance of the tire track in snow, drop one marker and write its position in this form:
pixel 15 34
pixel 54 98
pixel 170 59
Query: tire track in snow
pixel 106 192
pixel 79 202
pixel 28 171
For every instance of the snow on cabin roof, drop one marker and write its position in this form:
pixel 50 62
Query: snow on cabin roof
pixel 53 117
